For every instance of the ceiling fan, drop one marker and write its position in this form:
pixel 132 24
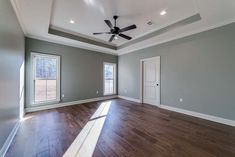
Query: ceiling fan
pixel 116 31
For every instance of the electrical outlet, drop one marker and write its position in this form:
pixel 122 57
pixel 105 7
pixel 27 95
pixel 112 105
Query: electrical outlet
pixel 125 91
pixel 97 92
pixel 181 100
pixel 62 95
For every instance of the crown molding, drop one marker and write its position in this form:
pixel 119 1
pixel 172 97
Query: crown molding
pixel 80 38
pixel 18 15
pixel 230 21
pixel 106 50
pixel 66 43
pixel 173 22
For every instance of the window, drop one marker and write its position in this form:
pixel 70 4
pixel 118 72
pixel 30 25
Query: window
pixel 45 78
pixel 109 78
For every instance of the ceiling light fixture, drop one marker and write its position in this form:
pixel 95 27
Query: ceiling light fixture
pixel 163 12
pixel 115 31
pixel 72 21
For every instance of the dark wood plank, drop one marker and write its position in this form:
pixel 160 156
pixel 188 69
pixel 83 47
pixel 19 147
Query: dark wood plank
pixel 130 129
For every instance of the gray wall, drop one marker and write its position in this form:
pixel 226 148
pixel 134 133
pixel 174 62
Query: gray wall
pixel 200 69
pixel 81 70
pixel 11 60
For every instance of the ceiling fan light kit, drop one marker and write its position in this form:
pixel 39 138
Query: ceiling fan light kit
pixel 116 31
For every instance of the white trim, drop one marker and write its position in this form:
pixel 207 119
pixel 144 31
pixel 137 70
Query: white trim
pixel 141 79
pixel 7 143
pixel 151 58
pixel 161 27
pixel 71 43
pixel 32 77
pixel 200 115
pixel 49 38
pixel 46 107
pixel 190 113
pixel 141 82
pixel 81 35
pixel 130 99
pixel 18 15
pixel 179 36
pixel 113 52
pixel 114 81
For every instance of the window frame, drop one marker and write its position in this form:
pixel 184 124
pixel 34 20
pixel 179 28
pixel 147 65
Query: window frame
pixel 114 78
pixel 32 79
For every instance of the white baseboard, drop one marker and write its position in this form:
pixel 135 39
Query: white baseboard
pixel 190 113
pixel 200 115
pixel 46 107
pixel 128 98
pixel 183 111
pixel 7 143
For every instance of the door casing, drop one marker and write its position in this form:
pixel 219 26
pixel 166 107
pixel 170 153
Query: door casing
pixel 142 80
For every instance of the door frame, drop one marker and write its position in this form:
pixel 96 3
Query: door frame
pixel 142 80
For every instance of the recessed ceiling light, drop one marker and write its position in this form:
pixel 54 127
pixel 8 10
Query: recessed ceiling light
pixel 72 21
pixel 163 12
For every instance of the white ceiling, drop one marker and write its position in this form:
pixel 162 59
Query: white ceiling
pixel 89 15
pixel 36 16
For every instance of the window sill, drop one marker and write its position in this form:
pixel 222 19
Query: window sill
pixel 46 103
pixel 109 94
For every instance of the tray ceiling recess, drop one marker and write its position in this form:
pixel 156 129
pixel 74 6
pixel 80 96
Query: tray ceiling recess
pixel 73 23
pixel 88 16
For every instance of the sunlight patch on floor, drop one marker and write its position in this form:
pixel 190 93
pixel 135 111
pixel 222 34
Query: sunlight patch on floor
pixel 85 143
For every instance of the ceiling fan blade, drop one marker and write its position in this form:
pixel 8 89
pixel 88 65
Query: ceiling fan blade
pixel 125 36
pixel 128 28
pixel 111 38
pixel 108 23
pixel 101 33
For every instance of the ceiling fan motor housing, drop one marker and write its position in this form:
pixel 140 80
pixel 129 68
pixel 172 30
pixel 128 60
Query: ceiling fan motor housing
pixel 115 17
pixel 115 30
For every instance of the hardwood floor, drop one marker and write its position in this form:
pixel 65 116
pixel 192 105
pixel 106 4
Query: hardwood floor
pixel 130 129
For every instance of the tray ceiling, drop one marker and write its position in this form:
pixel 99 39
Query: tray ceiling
pixel 89 15
pixel 38 17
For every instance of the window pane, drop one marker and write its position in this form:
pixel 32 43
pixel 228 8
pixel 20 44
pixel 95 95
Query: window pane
pixel 45 78
pixel 51 90
pixel 40 68
pixel 46 68
pixel 51 68
pixel 108 72
pixel 108 79
pixel 40 90
pixel 108 86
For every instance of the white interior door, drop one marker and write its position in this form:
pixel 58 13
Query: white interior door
pixel 151 81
